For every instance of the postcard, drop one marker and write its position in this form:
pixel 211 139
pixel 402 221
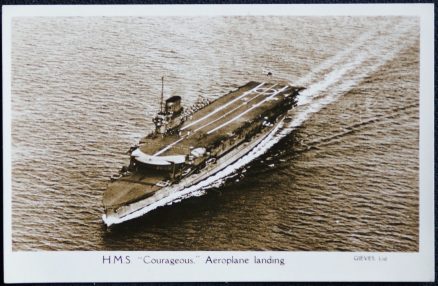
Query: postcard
pixel 218 143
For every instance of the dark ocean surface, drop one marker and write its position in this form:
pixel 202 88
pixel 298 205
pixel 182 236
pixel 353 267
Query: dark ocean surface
pixel 344 178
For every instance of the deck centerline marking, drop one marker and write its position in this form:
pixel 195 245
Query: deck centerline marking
pixel 186 136
pixel 223 106
pixel 170 146
pixel 231 111
pixel 229 121
pixel 246 111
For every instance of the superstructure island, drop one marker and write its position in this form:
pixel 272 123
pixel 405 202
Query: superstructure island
pixel 188 148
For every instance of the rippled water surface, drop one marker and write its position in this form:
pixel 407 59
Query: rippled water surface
pixel 344 177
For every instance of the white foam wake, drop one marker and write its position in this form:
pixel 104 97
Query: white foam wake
pixel 342 72
pixel 343 78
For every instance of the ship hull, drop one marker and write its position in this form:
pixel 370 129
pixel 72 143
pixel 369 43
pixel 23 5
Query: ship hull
pixel 192 184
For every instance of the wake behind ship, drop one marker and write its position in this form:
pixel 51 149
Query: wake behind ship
pixel 188 148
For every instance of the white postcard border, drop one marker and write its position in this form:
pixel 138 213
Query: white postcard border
pixel 89 266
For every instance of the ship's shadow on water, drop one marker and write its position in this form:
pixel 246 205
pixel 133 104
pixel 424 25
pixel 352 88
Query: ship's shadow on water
pixel 167 216
pixel 215 199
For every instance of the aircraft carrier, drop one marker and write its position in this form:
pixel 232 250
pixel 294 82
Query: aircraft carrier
pixel 188 147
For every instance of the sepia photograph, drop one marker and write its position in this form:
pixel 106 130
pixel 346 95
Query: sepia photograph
pixel 266 133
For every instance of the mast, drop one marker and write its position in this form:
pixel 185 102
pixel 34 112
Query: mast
pixel 162 94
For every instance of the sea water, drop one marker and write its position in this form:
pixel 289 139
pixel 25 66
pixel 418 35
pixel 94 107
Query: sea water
pixel 342 176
